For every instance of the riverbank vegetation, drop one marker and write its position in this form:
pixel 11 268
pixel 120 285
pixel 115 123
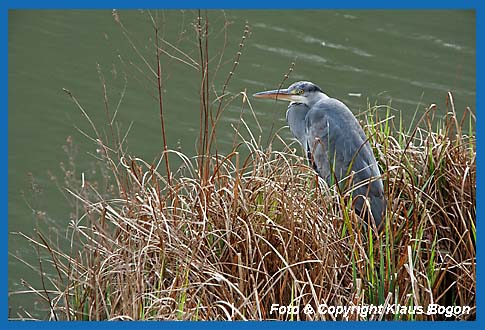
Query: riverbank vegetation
pixel 237 235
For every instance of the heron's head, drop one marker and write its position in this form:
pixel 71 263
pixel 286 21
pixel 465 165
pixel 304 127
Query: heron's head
pixel 300 92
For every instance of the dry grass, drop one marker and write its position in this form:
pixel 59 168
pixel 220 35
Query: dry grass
pixel 262 231
pixel 224 237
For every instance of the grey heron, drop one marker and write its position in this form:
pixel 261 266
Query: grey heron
pixel 335 143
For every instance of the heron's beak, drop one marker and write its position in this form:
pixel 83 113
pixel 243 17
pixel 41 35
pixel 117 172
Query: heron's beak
pixel 277 94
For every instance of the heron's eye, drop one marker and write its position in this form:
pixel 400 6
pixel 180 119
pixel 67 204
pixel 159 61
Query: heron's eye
pixel 301 92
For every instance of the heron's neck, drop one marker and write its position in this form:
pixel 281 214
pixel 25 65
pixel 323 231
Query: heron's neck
pixel 295 115
pixel 315 98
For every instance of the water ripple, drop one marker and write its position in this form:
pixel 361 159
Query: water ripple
pixel 427 37
pixel 292 53
pixel 354 50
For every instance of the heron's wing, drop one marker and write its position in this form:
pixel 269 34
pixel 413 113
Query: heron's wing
pixel 333 138
pixel 338 147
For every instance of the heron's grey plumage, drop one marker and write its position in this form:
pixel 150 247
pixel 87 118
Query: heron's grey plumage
pixel 335 143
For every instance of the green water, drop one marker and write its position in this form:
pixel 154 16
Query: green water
pixel 409 58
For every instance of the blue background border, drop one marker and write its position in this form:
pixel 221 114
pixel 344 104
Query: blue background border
pixel 253 4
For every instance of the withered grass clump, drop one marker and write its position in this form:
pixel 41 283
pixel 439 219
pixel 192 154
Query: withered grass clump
pixel 236 236
pixel 261 231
